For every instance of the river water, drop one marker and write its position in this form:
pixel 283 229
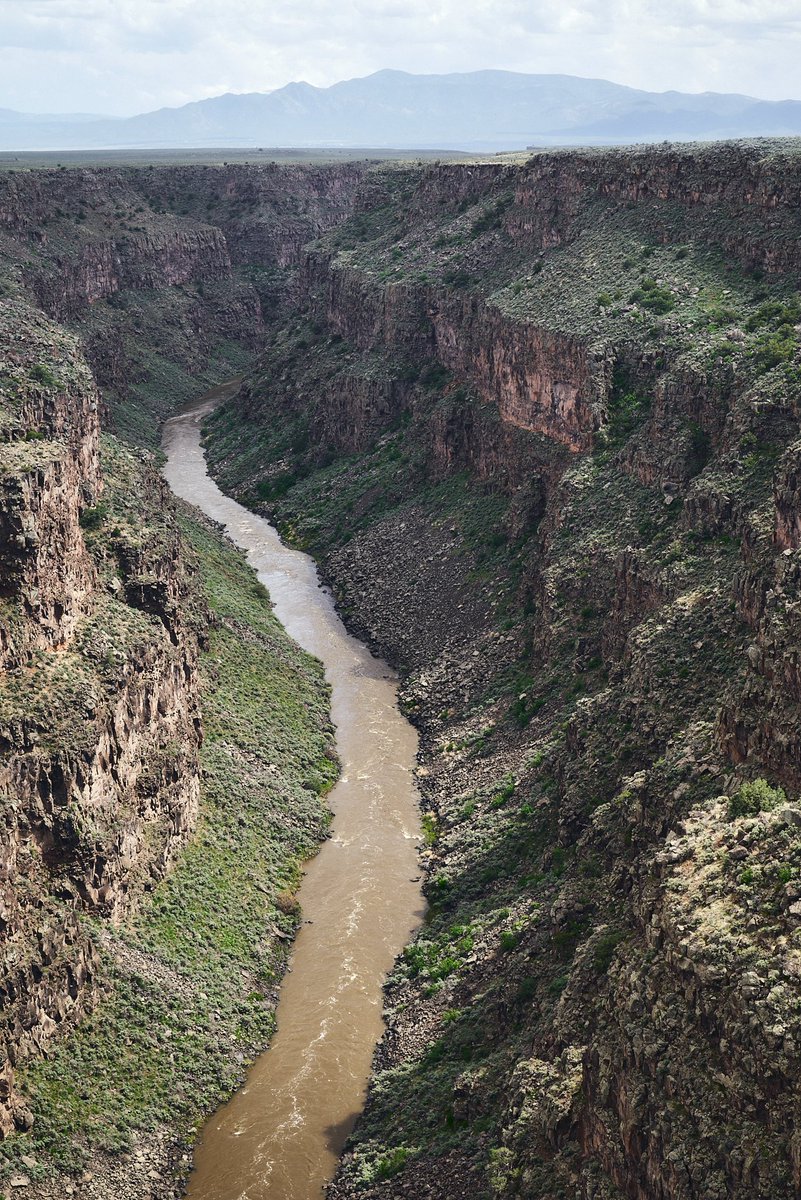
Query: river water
pixel 279 1138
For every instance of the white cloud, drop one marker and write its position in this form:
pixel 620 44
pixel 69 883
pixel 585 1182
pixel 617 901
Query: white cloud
pixel 125 56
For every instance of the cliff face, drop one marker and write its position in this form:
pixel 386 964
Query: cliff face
pixel 540 423
pixel 99 722
pixel 165 273
pixel 266 213
pixel 159 281
pixel 540 381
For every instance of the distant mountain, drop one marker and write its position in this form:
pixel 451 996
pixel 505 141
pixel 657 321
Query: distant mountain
pixel 480 110
pixel 9 117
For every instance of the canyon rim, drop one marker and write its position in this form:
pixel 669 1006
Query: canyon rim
pixel 536 418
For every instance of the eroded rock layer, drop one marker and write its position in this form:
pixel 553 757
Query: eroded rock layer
pixel 100 725
pixel 540 424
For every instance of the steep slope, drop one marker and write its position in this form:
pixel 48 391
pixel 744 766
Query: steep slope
pixel 540 424
pixel 99 706
pixel 146 880
pixel 165 274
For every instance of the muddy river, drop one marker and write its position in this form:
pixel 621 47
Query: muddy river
pixel 280 1136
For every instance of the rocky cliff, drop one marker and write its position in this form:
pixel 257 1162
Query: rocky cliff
pixel 125 627
pixel 539 421
pixel 540 424
pixel 164 273
pixel 100 721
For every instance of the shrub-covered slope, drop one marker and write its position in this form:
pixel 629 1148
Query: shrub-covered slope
pixel 541 425
pixel 145 880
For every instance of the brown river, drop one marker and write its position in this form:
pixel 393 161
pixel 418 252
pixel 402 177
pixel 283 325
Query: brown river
pixel 279 1138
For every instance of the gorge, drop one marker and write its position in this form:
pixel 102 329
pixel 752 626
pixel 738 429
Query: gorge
pixel 537 420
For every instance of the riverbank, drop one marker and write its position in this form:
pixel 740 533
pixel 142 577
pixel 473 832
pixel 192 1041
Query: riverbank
pixel 188 987
pixel 540 427
pixel 283 1132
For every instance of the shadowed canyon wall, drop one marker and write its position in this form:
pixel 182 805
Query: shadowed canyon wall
pixel 540 424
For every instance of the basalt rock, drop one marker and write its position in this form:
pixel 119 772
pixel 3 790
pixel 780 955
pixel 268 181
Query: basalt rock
pixel 540 423
pixel 99 721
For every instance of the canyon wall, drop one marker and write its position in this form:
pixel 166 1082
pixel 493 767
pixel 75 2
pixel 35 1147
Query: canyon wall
pixel 539 421
pixel 100 720
pixel 540 424
pixel 166 273
pixel 112 309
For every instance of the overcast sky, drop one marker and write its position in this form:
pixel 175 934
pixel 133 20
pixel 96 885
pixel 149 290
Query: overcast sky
pixel 128 56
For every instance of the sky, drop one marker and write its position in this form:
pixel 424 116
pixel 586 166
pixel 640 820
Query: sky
pixel 120 57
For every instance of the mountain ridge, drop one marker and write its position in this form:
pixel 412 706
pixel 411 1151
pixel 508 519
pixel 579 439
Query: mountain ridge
pixel 478 110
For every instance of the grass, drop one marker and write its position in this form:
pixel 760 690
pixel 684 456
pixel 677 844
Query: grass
pixel 188 985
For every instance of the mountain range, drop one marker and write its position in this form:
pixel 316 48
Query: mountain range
pixel 479 110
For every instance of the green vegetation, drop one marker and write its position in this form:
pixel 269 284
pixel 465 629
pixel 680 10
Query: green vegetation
pixel 627 411
pixel 188 985
pixel 92 518
pixel 604 950
pixel 430 828
pixel 653 297
pixel 755 797
pixel 42 374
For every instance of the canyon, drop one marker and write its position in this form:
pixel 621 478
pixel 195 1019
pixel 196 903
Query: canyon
pixel 537 421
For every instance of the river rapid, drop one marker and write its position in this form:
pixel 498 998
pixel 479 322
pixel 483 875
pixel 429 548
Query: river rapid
pixel 280 1137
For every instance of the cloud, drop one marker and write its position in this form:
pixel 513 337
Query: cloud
pixel 125 56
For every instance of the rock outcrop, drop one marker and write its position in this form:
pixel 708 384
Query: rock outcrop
pixel 540 423
pixel 100 725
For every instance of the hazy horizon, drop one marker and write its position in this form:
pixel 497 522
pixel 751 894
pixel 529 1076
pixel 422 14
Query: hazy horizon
pixel 249 91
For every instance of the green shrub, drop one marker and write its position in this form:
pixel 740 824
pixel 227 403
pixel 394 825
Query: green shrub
pixel 605 949
pixel 430 831
pixel 504 792
pixel 435 377
pixel 92 518
pixel 391 1163
pixel 627 410
pixel 558 860
pixel 526 989
pixel 771 350
pixel 656 299
pixel 700 448
pixel 43 374
pixel 774 314
pixel 755 797
pixel 523 709
pixel 558 985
